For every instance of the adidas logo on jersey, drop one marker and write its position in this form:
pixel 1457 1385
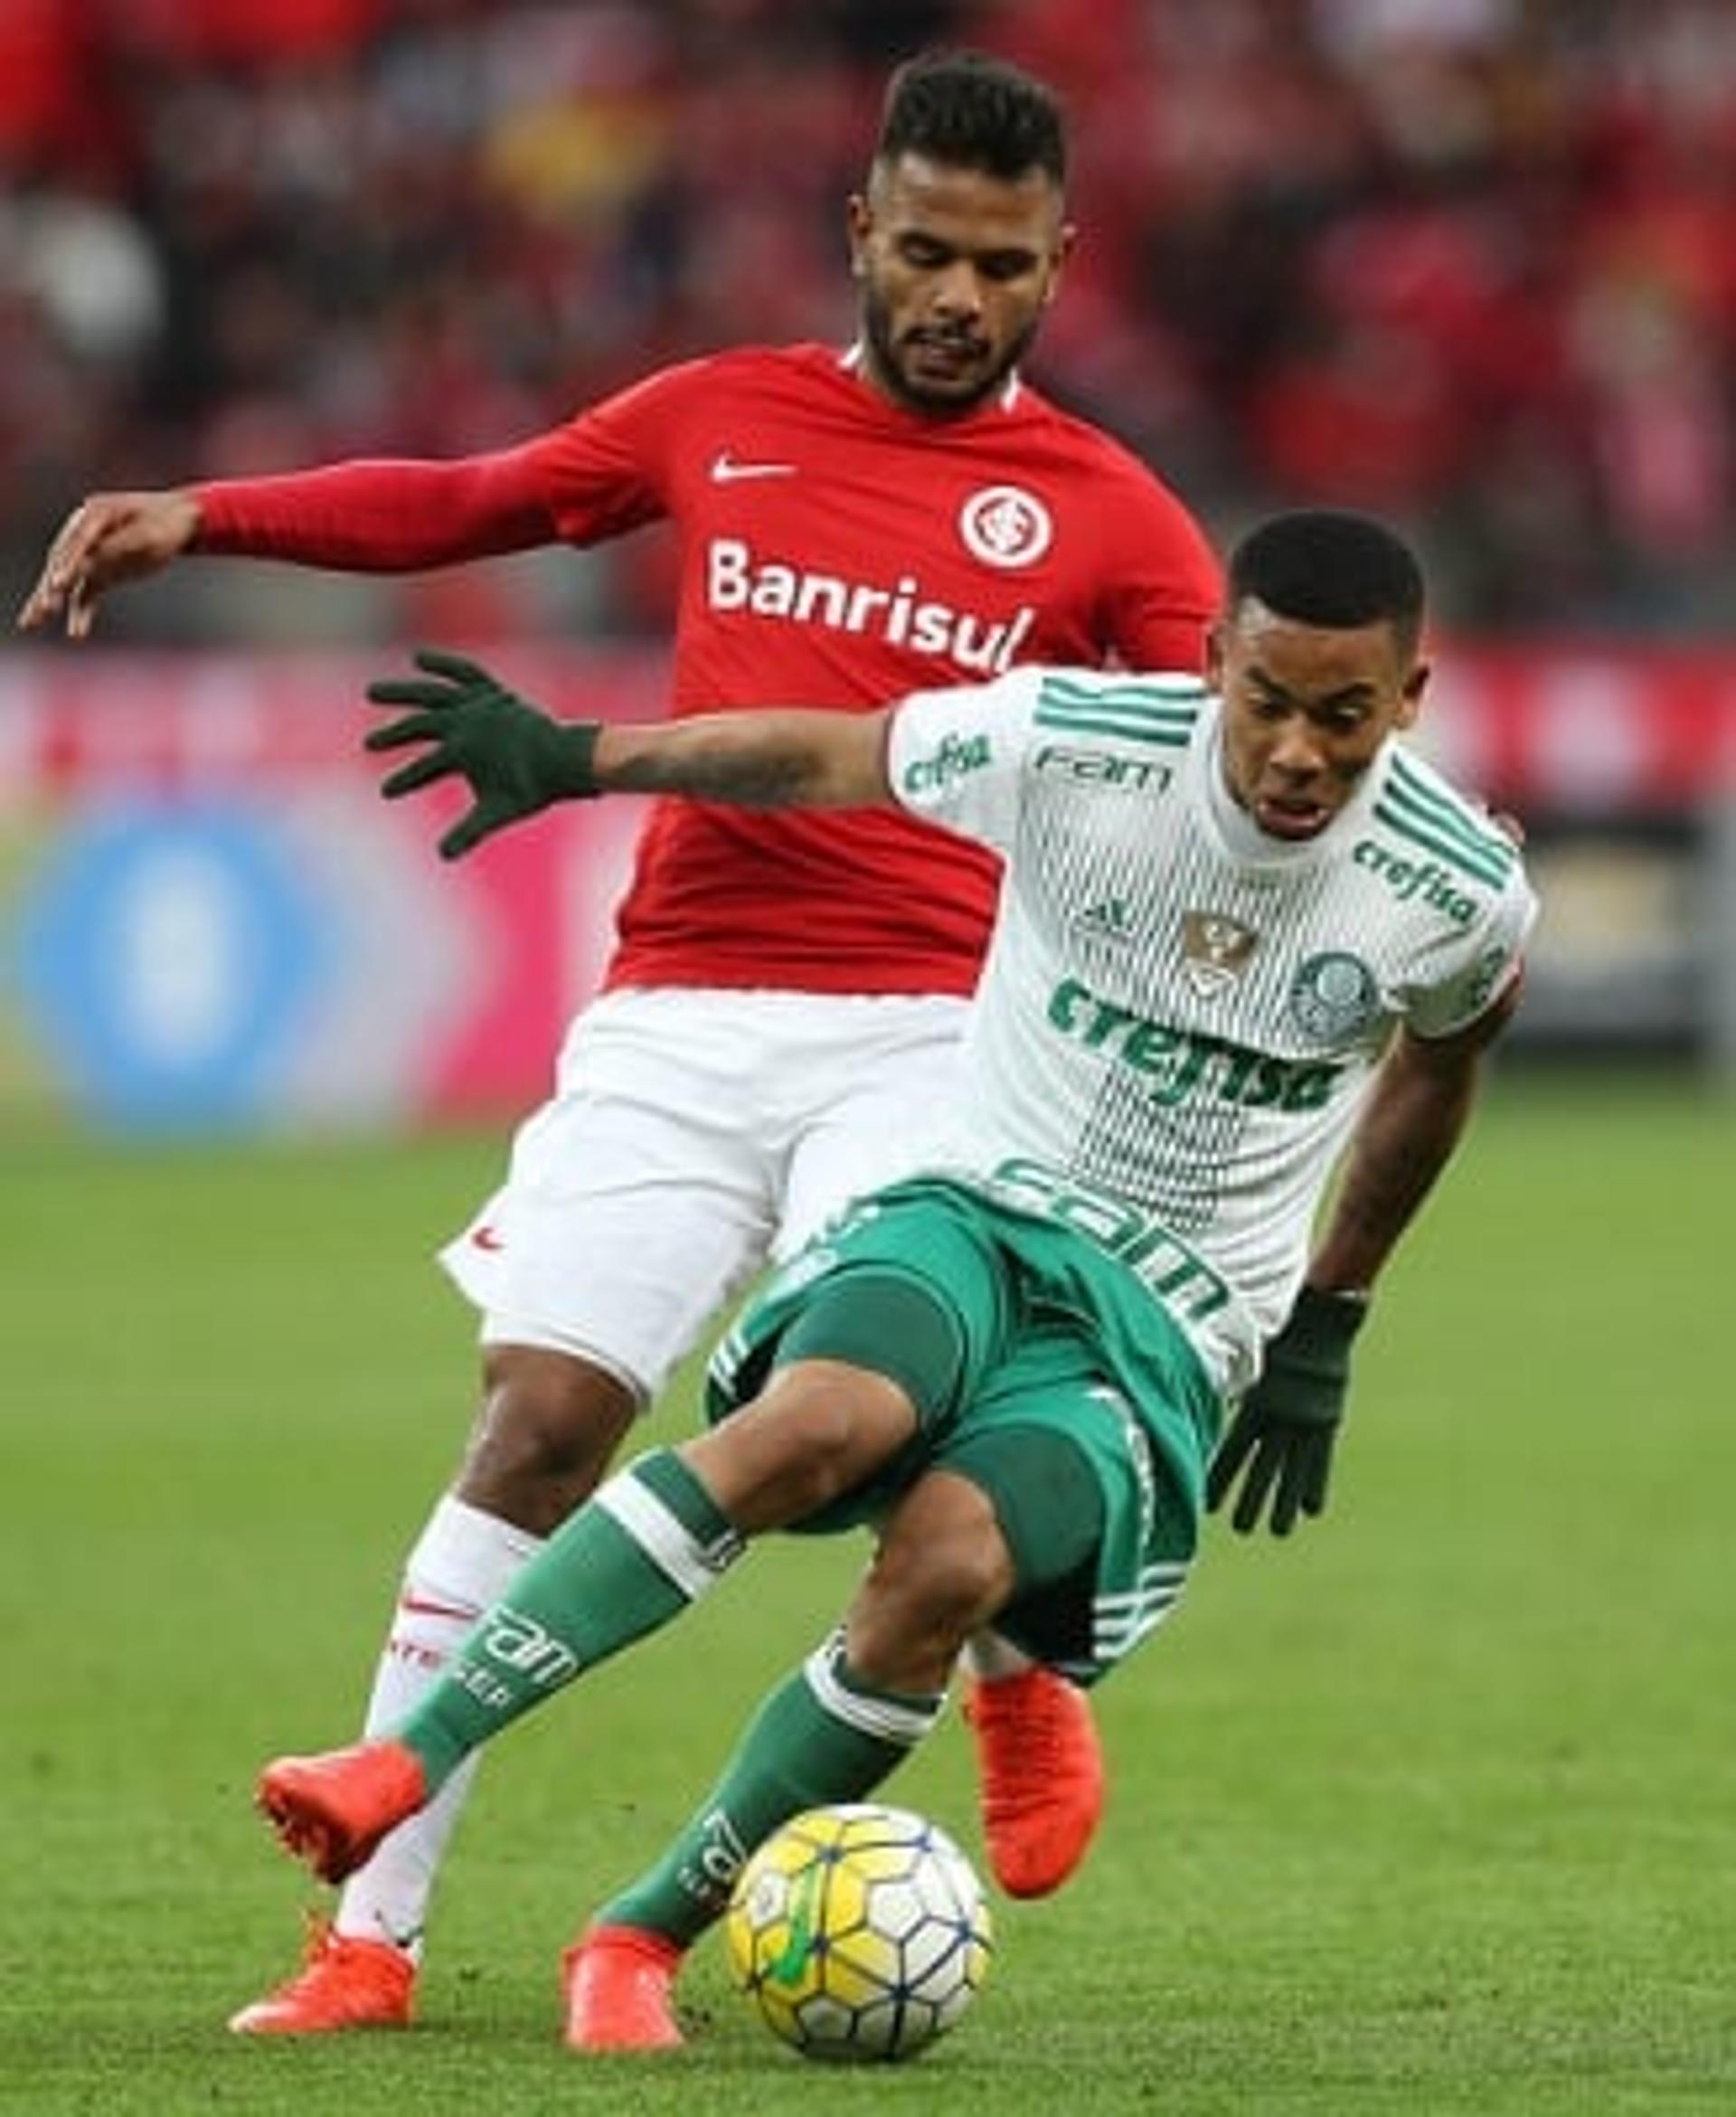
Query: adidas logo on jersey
pixel 1111 918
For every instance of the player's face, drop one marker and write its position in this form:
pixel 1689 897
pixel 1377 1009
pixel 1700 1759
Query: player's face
pixel 956 268
pixel 1305 709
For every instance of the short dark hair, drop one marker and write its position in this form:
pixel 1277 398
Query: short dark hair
pixel 972 111
pixel 1326 566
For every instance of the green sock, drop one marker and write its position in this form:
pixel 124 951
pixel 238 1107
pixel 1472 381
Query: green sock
pixel 646 1544
pixel 822 1735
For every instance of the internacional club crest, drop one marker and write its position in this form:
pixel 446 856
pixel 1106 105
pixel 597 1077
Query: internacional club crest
pixel 1333 997
pixel 1215 949
pixel 1005 527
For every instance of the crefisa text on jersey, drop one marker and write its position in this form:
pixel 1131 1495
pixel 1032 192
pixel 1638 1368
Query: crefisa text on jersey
pixel 1427 879
pixel 1183 1063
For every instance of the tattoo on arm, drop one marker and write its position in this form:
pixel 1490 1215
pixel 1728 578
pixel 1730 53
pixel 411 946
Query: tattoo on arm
pixel 776 758
pixel 753 779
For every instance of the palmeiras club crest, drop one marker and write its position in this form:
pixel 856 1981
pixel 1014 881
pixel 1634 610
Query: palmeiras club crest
pixel 1335 996
pixel 1215 949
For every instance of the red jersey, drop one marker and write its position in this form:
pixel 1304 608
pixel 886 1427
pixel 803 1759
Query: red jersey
pixel 836 550
pixel 839 551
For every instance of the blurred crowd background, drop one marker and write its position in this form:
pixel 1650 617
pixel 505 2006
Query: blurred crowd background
pixel 1471 262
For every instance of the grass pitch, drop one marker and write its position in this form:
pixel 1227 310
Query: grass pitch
pixel 1432 1808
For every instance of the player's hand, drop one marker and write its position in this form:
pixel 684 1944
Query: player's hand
pixel 107 539
pixel 1280 1440
pixel 514 758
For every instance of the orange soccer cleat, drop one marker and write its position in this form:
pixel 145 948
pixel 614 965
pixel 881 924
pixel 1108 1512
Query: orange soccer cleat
pixel 345 1982
pixel 1041 1772
pixel 619 1983
pixel 332 1811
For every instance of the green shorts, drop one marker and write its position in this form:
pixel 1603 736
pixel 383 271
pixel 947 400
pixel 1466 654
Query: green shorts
pixel 1053 1338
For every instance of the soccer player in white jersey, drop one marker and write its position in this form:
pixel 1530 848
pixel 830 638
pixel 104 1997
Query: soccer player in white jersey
pixel 1245 938
pixel 786 990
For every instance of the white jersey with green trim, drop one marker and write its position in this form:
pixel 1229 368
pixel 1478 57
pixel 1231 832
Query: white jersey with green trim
pixel 1179 1015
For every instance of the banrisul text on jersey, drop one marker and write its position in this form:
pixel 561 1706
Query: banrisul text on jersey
pixel 900 614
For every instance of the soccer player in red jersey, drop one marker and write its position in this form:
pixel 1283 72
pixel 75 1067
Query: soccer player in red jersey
pixel 785 997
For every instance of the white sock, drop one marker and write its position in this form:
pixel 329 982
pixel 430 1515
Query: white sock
pixel 461 1563
pixel 989 1657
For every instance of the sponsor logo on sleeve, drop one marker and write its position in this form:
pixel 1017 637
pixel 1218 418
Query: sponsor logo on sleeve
pixel 954 757
pixel 1487 977
pixel 1426 882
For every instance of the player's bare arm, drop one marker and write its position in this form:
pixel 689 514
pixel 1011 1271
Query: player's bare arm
pixel 777 758
pixel 517 759
pixel 1276 1456
pixel 1413 1118
pixel 107 539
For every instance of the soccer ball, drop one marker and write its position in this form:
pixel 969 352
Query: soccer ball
pixel 858 1932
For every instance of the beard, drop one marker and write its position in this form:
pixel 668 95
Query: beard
pixel 888 363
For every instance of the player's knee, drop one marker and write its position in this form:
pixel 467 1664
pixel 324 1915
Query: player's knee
pixel 842 1435
pixel 939 1574
pixel 819 1431
pixel 906 1628
pixel 549 1427
pixel 958 1584
pixel 816 1459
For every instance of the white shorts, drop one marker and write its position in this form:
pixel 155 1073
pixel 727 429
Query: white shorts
pixel 691 1136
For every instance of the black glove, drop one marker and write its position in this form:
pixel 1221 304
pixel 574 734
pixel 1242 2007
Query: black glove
pixel 515 757
pixel 1284 1428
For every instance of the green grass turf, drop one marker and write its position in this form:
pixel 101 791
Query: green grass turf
pixel 1433 1808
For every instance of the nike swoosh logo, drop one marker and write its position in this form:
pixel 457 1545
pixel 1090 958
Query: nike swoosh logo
pixel 725 470
pixel 425 1606
pixel 794 1953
